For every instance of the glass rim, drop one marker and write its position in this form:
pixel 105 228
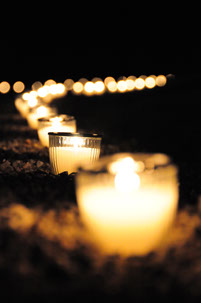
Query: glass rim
pixel 67 134
pixel 47 119
pixel 102 165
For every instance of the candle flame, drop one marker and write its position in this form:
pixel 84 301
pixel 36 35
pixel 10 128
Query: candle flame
pixel 41 111
pixel 77 142
pixel 126 177
pixel 126 182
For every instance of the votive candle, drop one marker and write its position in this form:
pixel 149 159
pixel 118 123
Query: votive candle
pixel 68 151
pixel 128 202
pixel 39 112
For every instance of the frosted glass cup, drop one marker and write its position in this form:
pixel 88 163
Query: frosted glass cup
pixel 68 151
pixel 128 202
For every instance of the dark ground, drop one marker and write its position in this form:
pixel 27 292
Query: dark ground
pixel 45 251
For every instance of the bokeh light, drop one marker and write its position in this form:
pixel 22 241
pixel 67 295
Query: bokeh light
pixel 69 84
pixel 161 80
pixel 4 87
pixel 18 87
pixel 150 82
pixel 78 87
pixel 139 83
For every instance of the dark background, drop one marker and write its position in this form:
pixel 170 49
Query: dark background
pixel 165 119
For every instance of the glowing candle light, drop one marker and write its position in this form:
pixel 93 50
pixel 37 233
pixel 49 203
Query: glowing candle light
pixel 39 112
pixel 25 102
pixel 128 201
pixel 67 151
pixel 61 123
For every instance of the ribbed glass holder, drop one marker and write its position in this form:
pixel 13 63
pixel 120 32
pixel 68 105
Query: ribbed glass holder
pixel 68 151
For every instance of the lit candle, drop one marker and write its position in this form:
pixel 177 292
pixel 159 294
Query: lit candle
pixel 25 102
pixel 68 151
pixel 39 112
pixel 128 201
pixel 61 123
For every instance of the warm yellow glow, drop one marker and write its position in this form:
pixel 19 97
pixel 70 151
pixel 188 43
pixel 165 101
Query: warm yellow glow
pixel 130 83
pixel 50 82
pixel 89 87
pixel 41 111
pixel 43 91
pixel 53 89
pixel 55 124
pixel 126 212
pixel 99 87
pixel 32 101
pixel 121 86
pixel 33 93
pixel 18 86
pixel 60 88
pixel 161 80
pixel 25 96
pixel 139 83
pixel 76 142
pixel 112 86
pixel 78 87
pixel 69 84
pixel 125 182
pixel 150 82
pixel 4 87
pixel 108 80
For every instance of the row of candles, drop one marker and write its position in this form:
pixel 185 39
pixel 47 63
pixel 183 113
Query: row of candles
pixel 127 202
pixel 95 86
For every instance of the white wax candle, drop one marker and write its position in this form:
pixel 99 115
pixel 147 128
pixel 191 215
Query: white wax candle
pixel 69 158
pixel 130 210
pixel 68 151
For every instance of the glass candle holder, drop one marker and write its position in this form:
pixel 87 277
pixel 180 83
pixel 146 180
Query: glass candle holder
pixel 128 201
pixel 39 112
pixel 61 123
pixel 68 151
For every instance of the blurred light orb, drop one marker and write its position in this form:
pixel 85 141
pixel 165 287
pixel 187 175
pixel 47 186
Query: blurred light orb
pixel 150 82
pixel 112 86
pixel 99 87
pixel 121 86
pixel 130 83
pixel 60 88
pixel 50 82
pixel 69 84
pixel 4 87
pixel 18 87
pixel 108 80
pixel 36 85
pixel 89 87
pixel 139 83
pixel 161 80
pixel 25 96
pixel 78 87
pixel 43 91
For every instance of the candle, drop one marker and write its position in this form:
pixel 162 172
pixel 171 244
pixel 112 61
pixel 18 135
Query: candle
pixel 61 123
pixel 68 151
pixel 25 102
pixel 128 201
pixel 39 112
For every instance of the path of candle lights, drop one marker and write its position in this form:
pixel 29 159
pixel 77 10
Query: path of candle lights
pixel 46 251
